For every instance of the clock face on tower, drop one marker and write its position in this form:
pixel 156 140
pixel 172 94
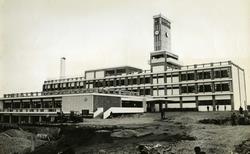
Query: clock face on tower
pixel 157 32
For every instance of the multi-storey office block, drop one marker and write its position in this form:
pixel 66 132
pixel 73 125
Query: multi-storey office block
pixel 168 84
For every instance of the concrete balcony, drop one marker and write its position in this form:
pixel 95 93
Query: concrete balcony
pixel 158 60
pixel 173 61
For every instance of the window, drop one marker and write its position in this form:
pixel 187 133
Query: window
pixel 122 82
pixel 141 80
pixel 207 75
pixel 141 92
pixel 147 91
pixel 207 88
pixel 134 80
pixel 199 75
pixel 222 87
pixel 217 87
pixel 117 82
pixel 147 80
pixel 191 89
pixel 224 73
pixel 217 74
pixel 190 76
pixel 183 77
pixel 225 87
pixel 184 89
pixel 111 83
pixel 201 88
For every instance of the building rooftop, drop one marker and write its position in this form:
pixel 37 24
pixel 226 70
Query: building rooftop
pixel 113 68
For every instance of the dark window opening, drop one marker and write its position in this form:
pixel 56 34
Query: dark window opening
pixel 217 74
pixel 147 80
pixel 183 77
pixel 147 91
pixel 207 88
pixel 190 76
pixel 206 102
pixel 201 88
pixel 191 89
pixel 225 87
pixel 123 82
pixel 218 87
pixel 224 74
pixel 135 81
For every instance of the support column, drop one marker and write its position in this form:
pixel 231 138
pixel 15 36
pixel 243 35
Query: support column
pixel 160 106
pixel 245 89
pixel 10 119
pixel 40 119
pixel 214 108
pixel 239 86
pixel 19 119
pixel 181 103
pixel 197 103
pixel 1 118
pixel 232 102
pixel 29 119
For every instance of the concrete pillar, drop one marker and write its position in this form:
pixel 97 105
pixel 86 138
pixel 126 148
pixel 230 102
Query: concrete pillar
pixel 232 102
pixel 160 106
pixel 181 103
pixel 144 104
pixel 10 119
pixel 1 118
pixel 40 119
pixel 29 119
pixel 166 105
pixel 214 107
pixel 197 102
pixel 19 119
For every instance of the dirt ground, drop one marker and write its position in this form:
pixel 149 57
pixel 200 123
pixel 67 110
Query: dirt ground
pixel 179 133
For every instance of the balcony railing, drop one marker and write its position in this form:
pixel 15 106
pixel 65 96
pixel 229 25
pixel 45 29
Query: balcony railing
pixel 31 110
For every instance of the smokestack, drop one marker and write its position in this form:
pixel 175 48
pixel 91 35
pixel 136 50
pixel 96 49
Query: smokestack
pixel 62 68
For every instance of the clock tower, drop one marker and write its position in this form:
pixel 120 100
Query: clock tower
pixel 162 36
pixel 162 59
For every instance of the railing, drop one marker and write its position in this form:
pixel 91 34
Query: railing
pixel 107 113
pixel 223 63
pixel 71 91
pixel 31 110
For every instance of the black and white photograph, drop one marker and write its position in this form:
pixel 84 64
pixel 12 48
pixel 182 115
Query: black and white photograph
pixel 124 76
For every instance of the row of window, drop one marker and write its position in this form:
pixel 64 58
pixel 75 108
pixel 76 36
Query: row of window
pixel 157 79
pixel 205 74
pixel 56 104
pixel 218 87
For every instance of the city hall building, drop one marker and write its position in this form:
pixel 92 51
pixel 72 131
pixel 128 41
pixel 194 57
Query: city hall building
pixel 168 84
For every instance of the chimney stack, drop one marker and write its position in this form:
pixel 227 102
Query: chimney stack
pixel 62 68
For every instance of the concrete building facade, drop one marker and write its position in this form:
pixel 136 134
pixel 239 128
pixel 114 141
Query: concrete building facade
pixel 168 84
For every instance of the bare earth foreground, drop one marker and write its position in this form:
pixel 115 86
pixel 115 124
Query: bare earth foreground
pixel 180 132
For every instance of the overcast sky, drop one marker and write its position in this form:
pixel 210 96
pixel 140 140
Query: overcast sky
pixel 92 34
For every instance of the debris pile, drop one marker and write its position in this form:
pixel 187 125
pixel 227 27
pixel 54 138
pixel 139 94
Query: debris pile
pixel 154 148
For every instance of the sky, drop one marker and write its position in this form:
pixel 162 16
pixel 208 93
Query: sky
pixel 91 34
